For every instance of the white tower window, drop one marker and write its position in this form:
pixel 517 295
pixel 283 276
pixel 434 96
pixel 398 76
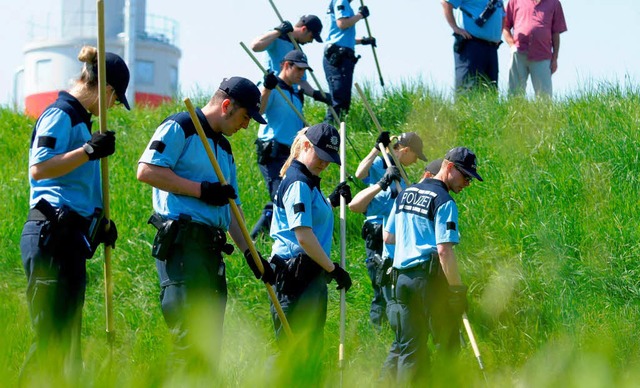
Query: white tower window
pixel 173 77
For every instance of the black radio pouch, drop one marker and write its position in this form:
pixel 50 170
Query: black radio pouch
pixel 372 235
pixel 458 43
pixel 383 275
pixel 263 151
pixel 333 55
pixel 165 237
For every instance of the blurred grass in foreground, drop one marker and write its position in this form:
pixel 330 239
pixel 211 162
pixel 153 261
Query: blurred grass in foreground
pixel 549 248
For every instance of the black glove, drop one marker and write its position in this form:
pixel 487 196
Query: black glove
pixel 284 28
pixel 384 139
pixel 364 11
pixel 317 95
pixel 216 194
pixel 392 174
pixel 100 145
pixel 458 299
pixel 268 276
pixel 341 277
pixel 270 80
pixel 342 189
pixel 368 41
pixel 108 238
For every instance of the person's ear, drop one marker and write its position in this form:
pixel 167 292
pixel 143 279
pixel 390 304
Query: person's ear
pixel 225 105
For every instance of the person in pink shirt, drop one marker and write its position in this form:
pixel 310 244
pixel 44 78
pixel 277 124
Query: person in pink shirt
pixel 532 29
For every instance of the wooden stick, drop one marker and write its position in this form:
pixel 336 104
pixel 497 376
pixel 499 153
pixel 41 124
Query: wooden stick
pixel 383 151
pixel 313 76
pixel 377 124
pixel 264 71
pixel 237 215
pixel 373 49
pixel 474 344
pixel 104 170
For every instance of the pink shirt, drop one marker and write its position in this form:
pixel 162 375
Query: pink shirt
pixel 534 24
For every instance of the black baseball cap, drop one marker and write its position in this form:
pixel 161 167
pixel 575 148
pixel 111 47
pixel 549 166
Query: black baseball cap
pixel 326 141
pixel 313 24
pixel 246 94
pixel 414 142
pixel 434 166
pixel 465 160
pixel 298 58
pixel 117 76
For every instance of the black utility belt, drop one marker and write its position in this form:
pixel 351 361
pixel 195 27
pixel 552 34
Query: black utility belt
pixel 486 42
pixel 44 211
pixel 336 54
pixel 184 231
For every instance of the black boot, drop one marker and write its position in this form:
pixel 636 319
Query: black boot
pixel 264 223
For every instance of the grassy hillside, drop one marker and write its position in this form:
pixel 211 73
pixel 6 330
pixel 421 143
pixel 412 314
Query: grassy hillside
pixel 549 246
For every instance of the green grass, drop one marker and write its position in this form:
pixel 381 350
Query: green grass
pixel 549 246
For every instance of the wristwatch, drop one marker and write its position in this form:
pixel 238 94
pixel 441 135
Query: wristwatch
pixel 88 149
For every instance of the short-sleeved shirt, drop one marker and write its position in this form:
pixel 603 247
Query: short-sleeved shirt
pixel 283 123
pixel 423 216
pixel 176 145
pixel 276 52
pixel 300 203
pixel 339 9
pixel 380 206
pixel 534 25
pixel 65 126
pixel 491 30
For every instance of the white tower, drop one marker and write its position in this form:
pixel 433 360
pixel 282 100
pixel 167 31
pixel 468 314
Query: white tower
pixel 51 62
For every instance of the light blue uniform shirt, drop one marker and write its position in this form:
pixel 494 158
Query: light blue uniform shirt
pixel 177 146
pixel 339 9
pixel 423 216
pixel 283 123
pixel 65 126
pixel 276 52
pixel 380 206
pixel 491 30
pixel 299 202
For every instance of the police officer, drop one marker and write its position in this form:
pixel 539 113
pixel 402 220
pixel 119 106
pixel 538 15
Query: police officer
pixel 477 30
pixel 277 44
pixel 383 277
pixel 275 138
pixel 302 229
pixel 339 54
pixel 429 291
pixel 65 223
pixel 192 212
pixel 376 201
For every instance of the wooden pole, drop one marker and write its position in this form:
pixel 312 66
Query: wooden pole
pixel 237 215
pixel 377 124
pixel 264 71
pixel 104 170
pixel 313 76
pixel 373 49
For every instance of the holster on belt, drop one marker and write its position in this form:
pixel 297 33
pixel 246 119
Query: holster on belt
pixel 372 235
pixel 64 230
pixel 298 272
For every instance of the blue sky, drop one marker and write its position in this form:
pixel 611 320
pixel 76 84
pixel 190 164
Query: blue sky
pixel 414 41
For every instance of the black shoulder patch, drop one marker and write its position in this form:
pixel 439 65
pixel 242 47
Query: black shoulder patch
pixel 158 146
pixel 298 208
pixel 340 7
pixel 451 225
pixel 47 142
